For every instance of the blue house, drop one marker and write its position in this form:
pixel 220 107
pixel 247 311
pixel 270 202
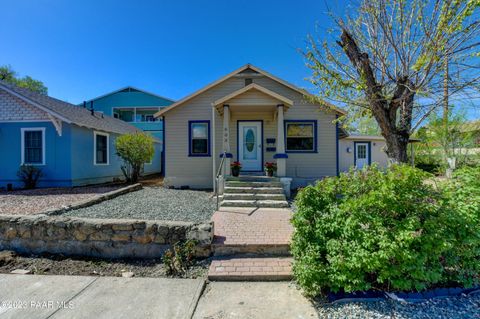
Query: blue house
pixel 72 145
pixel 134 106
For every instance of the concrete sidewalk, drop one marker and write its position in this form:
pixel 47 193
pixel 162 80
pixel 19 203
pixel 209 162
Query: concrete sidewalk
pixel 72 297
pixel 252 300
pixel 29 296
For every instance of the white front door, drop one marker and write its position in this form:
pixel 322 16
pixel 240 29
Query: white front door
pixel 250 145
pixel 362 154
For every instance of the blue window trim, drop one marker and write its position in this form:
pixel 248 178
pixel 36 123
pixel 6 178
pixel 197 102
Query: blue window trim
pixel 227 155
pixel 315 129
pixel 280 155
pixel 369 151
pixel 238 139
pixel 190 154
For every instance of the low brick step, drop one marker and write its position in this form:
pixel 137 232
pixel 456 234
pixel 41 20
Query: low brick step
pixel 252 184
pixel 247 196
pixel 255 203
pixel 251 249
pixel 253 190
pixel 251 269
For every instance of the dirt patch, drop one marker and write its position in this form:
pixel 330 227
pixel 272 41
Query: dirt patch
pixel 28 202
pixel 48 264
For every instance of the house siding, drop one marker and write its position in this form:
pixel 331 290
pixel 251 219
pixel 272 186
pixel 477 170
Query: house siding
pixel 377 152
pixel 85 172
pixel 68 157
pixel 198 172
pixel 56 171
pixel 14 109
pixel 133 99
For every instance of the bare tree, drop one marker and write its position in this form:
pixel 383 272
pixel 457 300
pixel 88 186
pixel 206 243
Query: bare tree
pixel 389 62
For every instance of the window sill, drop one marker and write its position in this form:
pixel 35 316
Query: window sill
pixel 301 152
pixel 199 155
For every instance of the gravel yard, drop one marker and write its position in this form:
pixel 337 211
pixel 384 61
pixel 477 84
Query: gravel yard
pixel 452 307
pixel 154 203
pixel 27 202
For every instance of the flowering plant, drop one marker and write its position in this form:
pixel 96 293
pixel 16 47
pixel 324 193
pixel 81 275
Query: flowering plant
pixel 236 165
pixel 271 167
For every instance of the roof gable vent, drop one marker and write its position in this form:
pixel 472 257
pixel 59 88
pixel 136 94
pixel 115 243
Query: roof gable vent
pixel 248 81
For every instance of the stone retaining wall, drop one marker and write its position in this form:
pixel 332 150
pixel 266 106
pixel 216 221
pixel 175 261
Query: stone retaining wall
pixel 108 238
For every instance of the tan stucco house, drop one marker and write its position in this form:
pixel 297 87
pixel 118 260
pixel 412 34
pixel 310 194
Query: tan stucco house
pixel 253 117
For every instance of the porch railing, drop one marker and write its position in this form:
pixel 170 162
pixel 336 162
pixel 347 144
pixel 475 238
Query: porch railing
pixel 217 176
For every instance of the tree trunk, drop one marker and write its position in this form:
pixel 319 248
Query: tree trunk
pixel 386 110
pixel 397 149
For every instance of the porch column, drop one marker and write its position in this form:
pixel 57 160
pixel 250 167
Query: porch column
pixel 281 156
pixel 226 139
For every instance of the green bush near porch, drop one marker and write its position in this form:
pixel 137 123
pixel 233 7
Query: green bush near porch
pixel 388 230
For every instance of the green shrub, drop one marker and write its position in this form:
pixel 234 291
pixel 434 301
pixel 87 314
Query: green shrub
pixel 429 164
pixel 372 229
pixel 178 259
pixel 462 193
pixel 29 175
pixel 135 149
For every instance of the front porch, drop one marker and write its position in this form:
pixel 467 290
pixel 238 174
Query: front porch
pixel 252 130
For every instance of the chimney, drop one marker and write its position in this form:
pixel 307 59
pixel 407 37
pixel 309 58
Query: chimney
pixel 91 108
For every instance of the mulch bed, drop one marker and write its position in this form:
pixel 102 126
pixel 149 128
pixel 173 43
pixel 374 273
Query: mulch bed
pixel 48 264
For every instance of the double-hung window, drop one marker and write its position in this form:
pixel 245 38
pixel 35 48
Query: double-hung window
pixel 301 136
pixel 33 146
pixel 101 148
pixel 199 138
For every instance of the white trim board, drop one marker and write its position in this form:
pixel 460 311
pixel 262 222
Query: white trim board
pixel 44 146
pixel 95 133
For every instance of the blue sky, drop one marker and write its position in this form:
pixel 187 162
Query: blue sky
pixel 82 49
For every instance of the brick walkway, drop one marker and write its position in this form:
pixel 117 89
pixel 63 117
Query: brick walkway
pixel 240 269
pixel 264 233
pixel 248 226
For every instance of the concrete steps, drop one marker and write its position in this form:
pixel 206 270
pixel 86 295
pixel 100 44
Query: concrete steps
pixel 254 191
pixel 253 196
pixel 255 203
pixel 251 269
pixel 253 184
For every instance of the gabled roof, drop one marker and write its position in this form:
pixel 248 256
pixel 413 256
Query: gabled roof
pixel 254 86
pixel 69 113
pixel 133 89
pixel 228 76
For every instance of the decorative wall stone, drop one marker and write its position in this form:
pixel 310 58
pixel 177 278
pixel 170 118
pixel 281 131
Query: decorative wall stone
pixel 109 238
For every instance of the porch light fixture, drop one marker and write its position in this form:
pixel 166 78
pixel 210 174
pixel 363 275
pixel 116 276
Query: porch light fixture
pixel 349 149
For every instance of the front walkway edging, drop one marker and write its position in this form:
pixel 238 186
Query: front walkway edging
pixel 107 238
pixel 410 297
pixel 92 201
